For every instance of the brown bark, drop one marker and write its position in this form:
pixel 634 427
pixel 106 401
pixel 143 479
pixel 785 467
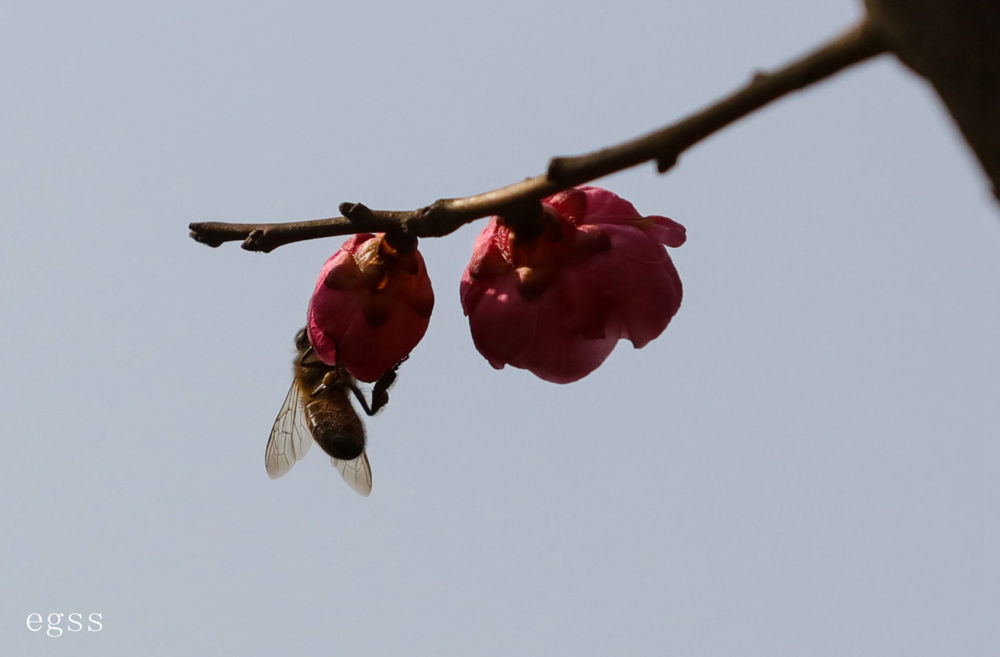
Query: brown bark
pixel 954 44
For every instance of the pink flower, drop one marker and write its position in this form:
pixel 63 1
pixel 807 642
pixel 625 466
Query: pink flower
pixel 371 306
pixel 557 304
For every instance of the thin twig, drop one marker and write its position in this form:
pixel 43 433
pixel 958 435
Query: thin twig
pixel 664 146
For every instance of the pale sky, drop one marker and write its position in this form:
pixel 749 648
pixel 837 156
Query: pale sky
pixel 804 463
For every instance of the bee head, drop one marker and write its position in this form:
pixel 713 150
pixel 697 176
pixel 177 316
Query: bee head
pixel 301 339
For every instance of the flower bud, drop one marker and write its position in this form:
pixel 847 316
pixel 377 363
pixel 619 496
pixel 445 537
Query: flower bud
pixel 557 304
pixel 370 307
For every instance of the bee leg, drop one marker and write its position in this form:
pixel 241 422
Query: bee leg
pixel 380 391
pixel 360 396
pixel 379 397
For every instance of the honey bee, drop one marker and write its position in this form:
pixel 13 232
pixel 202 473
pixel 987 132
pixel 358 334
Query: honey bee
pixel 317 408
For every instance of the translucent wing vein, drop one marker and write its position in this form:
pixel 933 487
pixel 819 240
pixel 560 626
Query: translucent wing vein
pixel 356 472
pixel 290 437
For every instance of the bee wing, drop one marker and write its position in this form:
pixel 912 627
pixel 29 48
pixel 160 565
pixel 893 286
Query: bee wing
pixel 290 437
pixel 356 472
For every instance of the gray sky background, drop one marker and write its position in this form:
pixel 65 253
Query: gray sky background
pixel 805 463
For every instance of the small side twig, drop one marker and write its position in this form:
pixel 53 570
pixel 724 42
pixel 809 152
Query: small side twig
pixel 664 146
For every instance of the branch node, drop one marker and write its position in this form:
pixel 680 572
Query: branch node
pixel 556 170
pixel 254 241
pixel 401 241
pixel 666 162
pixel 199 234
pixel 356 212
pixel 524 218
pixel 429 215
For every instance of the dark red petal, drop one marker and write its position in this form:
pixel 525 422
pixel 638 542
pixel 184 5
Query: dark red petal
pixel 607 207
pixel 637 280
pixel 556 356
pixel 502 323
pixel 368 352
pixel 666 230
pixel 571 204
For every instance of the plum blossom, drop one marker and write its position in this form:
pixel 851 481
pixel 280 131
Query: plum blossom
pixel 370 307
pixel 557 304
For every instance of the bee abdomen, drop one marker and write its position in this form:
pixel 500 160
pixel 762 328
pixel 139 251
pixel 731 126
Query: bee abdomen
pixel 337 430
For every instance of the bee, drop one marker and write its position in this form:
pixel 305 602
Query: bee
pixel 318 408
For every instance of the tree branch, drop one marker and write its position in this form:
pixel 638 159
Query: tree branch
pixel 664 146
